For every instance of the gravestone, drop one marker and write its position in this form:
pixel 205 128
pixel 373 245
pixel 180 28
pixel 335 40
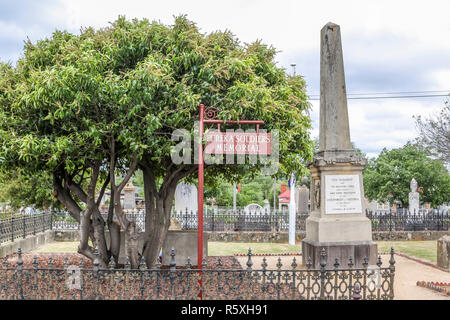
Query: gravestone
pixel 414 198
pixel 254 209
pixel 337 222
pixel 302 198
pixel 129 199
pixel 186 198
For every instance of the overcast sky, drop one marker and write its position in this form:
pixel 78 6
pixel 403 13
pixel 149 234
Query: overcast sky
pixel 389 46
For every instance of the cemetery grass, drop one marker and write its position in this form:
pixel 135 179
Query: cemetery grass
pixel 420 249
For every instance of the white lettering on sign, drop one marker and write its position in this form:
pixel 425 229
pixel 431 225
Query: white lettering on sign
pixel 342 194
pixel 238 143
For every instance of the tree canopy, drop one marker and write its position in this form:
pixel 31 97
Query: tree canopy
pixel 388 177
pixel 81 110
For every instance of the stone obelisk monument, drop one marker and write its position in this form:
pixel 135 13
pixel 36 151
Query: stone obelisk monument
pixel 337 221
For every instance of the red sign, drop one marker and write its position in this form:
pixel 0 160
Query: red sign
pixel 238 143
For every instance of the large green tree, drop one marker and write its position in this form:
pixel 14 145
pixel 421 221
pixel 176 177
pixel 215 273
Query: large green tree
pixel 83 110
pixel 388 177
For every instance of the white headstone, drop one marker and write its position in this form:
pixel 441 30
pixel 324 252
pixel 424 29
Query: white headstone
pixel 254 209
pixel 414 199
pixel 186 198
pixel 129 198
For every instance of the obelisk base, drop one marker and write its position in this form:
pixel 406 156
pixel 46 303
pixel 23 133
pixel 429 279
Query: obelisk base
pixel 357 250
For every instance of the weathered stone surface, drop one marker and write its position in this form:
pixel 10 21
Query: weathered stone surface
pixel 29 243
pixel 175 225
pixel 185 245
pixel 129 199
pixel 337 218
pixel 357 251
pixel 334 125
pixel 414 197
pixel 443 253
pixel 186 198
pixel 302 200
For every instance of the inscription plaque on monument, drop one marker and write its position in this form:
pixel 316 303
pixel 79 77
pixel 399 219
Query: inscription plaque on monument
pixel 342 194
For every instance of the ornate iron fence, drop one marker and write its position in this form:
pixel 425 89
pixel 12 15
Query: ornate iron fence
pixel 334 282
pixel 403 220
pixel 225 219
pixel 21 226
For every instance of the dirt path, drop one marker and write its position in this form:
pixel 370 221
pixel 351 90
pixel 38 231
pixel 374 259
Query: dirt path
pixel 407 273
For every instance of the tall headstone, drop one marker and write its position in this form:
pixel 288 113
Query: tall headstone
pixel 186 198
pixel 414 198
pixel 302 198
pixel 337 222
pixel 129 199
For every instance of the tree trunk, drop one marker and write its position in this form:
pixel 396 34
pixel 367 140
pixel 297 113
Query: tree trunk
pixel 157 216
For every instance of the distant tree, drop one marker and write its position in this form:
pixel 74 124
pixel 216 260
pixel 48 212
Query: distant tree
pixel 435 133
pixel 19 189
pixel 388 177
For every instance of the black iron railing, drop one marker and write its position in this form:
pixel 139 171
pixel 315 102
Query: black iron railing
pixel 402 220
pixel 17 226
pixel 20 226
pixel 76 282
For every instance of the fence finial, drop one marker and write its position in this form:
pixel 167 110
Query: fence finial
pixel 173 264
pixel 350 263
pixel 112 263
pixel 5 262
pixel 379 262
pixel 365 263
pixel 294 264
pixel 66 262
pixel 323 258
pixel 336 264
pixel 279 264
pixel 264 264
pixel 96 259
pixel 204 263
pixel 234 265
pixel 50 262
pixel 392 260
pixel 188 263
pixel 309 263
pixel 249 261
pixel 142 264
pixel 36 262
pixel 19 258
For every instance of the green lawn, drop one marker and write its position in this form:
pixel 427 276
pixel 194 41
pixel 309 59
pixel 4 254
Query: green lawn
pixel 420 249
pixel 231 248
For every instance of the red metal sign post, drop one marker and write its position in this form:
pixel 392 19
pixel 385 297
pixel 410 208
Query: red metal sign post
pixel 210 120
pixel 262 148
pixel 200 188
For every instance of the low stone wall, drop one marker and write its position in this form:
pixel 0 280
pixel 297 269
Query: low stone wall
pixel 408 235
pixel 283 237
pixel 248 236
pixel 29 243
pixel 32 242
pixel 66 235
